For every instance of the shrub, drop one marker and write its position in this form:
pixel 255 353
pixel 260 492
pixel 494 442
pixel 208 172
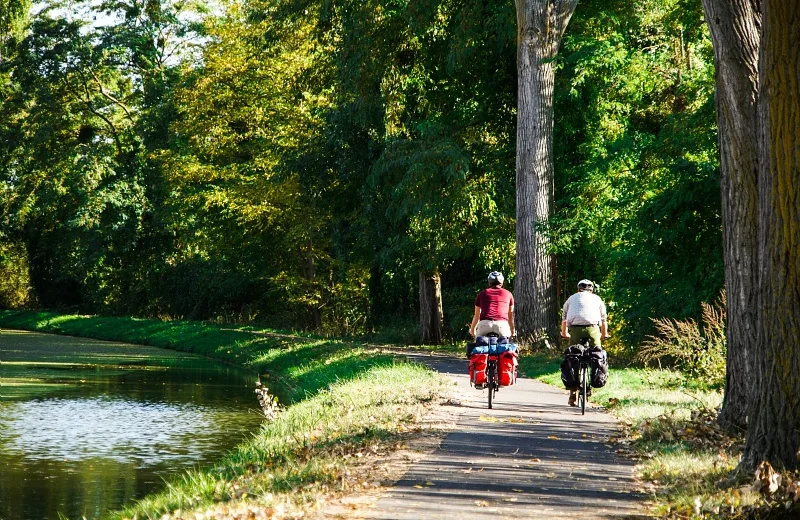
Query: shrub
pixel 698 351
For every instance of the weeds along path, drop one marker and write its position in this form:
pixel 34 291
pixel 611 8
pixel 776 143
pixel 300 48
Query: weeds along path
pixel 531 456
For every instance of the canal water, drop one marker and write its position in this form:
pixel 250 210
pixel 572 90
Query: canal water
pixel 88 426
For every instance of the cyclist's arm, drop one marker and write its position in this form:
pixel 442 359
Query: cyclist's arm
pixel 604 320
pixel 476 316
pixel 564 333
pixel 511 318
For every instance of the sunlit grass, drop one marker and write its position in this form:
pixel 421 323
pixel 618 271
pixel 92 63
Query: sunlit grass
pixel 344 398
pixel 307 449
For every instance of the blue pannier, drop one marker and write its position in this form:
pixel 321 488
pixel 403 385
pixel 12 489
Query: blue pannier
pixel 506 347
pixel 479 349
pixel 493 345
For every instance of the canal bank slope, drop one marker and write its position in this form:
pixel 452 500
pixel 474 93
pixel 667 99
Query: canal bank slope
pixel 345 404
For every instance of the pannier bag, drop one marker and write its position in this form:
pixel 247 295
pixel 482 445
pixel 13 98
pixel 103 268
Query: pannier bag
pixel 598 365
pixel 507 368
pixel 477 369
pixel 492 345
pixel 571 367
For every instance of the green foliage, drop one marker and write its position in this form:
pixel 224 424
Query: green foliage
pixel 14 279
pixel 636 160
pixel 298 163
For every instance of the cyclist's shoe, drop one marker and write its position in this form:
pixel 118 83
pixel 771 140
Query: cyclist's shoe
pixel 479 387
pixel 573 398
pixel 589 392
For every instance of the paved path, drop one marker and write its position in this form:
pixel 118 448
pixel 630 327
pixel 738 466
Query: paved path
pixel 531 456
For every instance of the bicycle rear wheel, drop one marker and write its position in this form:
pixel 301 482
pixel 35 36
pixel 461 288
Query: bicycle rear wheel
pixel 490 382
pixel 583 390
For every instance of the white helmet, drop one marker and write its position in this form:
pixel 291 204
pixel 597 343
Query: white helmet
pixel 586 284
pixel 496 275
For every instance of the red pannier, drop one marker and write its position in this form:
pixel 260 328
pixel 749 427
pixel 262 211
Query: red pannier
pixel 507 368
pixel 477 368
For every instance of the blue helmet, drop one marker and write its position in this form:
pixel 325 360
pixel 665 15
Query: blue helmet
pixel 496 275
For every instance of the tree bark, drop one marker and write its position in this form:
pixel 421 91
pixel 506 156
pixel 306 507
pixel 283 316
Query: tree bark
pixel 772 433
pixel 310 272
pixel 430 308
pixel 540 27
pixel 734 26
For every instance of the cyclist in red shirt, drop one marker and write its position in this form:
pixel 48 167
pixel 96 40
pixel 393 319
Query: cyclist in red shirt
pixel 494 309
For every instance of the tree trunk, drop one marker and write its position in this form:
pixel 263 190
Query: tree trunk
pixel 772 432
pixel 430 308
pixel 734 26
pixel 310 272
pixel 540 26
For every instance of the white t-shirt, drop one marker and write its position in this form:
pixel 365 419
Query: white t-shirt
pixel 584 308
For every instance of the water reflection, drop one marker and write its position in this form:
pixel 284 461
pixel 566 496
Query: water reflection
pixel 83 439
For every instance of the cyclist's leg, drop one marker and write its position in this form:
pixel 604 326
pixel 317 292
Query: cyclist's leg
pixel 483 328
pixel 501 328
pixel 593 333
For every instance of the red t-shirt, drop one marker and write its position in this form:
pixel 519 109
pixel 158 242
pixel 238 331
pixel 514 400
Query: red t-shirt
pixel 494 303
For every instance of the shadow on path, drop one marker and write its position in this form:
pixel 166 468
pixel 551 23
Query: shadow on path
pixel 531 456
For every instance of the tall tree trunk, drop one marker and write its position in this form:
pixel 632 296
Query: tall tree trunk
pixel 772 432
pixel 310 272
pixel 540 26
pixel 735 26
pixel 430 308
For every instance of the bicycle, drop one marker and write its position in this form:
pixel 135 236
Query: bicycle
pixel 492 374
pixel 583 376
pixel 492 382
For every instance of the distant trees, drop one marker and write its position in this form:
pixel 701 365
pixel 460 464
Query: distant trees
pixel 344 166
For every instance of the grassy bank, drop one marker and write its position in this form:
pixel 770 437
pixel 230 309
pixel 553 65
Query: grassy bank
pixel 347 403
pixel 295 365
pixel 307 453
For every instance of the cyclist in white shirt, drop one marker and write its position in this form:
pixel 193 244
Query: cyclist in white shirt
pixel 584 316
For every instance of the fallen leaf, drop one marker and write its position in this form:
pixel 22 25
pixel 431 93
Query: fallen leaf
pixel 488 418
pixel 552 437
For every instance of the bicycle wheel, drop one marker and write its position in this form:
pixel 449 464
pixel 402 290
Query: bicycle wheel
pixel 490 382
pixel 583 390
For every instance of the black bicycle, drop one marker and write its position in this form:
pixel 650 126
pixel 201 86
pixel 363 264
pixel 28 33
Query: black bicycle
pixel 492 378
pixel 583 376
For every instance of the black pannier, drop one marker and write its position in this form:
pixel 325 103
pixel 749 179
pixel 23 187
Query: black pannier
pixel 571 367
pixel 598 363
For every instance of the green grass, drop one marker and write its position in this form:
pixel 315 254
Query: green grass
pixel 345 399
pixel 294 365
pixel 305 452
